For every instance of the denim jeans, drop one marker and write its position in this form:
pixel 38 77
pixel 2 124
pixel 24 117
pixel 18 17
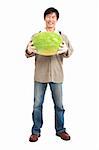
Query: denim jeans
pixel 39 92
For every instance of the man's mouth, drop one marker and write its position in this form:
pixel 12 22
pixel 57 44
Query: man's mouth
pixel 50 23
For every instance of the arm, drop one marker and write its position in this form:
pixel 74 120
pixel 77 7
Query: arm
pixel 30 49
pixel 69 50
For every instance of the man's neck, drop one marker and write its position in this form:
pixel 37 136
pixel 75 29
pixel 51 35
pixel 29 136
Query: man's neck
pixel 50 29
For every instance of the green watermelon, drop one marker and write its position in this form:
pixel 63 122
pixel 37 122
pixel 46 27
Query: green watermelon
pixel 47 43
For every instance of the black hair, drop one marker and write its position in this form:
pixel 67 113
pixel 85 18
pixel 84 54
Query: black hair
pixel 51 10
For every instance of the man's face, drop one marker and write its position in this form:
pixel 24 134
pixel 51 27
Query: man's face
pixel 51 20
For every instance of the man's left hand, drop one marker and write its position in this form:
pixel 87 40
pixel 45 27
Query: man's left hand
pixel 63 48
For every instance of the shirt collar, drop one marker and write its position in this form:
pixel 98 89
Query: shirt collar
pixel 44 30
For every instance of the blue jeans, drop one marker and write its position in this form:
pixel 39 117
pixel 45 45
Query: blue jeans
pixel 39 92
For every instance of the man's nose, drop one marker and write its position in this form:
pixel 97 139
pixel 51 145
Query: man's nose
pixel 50 19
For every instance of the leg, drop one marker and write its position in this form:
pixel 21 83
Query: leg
pixel 56 89
pixel 39 92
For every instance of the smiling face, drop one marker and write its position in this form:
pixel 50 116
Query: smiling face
pixel 50 20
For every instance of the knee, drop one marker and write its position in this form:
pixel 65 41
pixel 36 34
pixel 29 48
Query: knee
pixel 59 108
pixel 37 103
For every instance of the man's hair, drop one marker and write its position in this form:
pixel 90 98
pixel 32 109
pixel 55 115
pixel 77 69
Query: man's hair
pixel 51 10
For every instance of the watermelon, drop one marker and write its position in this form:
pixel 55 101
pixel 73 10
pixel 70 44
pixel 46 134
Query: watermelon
pixel 47 43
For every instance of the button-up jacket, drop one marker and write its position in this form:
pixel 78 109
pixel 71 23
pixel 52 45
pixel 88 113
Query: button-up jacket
pixel 50 68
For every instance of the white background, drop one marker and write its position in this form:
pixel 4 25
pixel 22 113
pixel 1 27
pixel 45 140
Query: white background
pixel 19 19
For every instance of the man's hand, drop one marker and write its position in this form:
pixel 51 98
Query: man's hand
pixel 63 48
pixel 31 48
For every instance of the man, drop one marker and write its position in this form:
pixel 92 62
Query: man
pixel 48 70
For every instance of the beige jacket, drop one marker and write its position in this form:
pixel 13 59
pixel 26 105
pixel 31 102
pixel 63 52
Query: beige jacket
pixel 50 68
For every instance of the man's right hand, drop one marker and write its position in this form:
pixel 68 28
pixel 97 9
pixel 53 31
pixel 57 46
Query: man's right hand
pixel 31 48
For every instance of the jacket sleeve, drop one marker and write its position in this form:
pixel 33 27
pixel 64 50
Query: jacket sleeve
pixel 69 47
